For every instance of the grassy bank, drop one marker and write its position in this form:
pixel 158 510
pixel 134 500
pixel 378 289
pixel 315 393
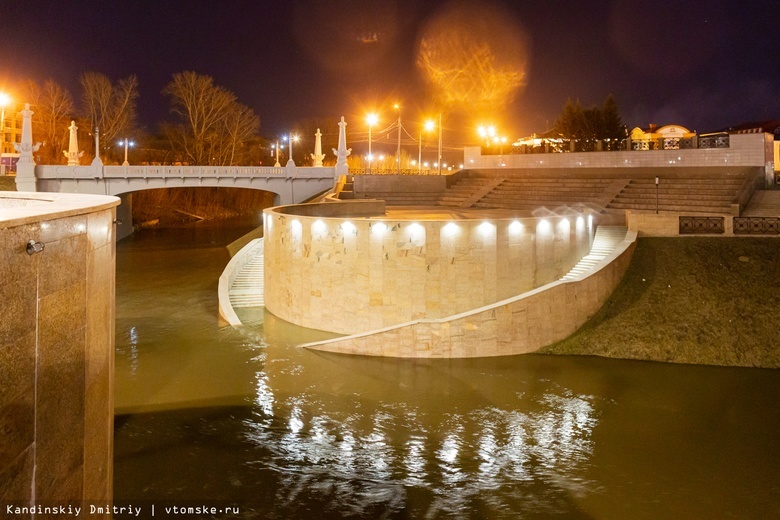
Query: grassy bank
pixel 691 300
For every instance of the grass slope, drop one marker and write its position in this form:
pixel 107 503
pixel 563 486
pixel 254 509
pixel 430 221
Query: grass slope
pixel 691 300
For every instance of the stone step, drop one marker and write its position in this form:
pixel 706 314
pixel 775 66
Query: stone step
pixel 673 208
pixel 605 241
pixel 247 288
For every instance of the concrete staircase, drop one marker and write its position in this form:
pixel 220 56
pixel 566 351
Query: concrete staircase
pixel 465 190
pixel 604 243
pixel 247 289
pixel 679 195
pixel 763 204
pixel 531 193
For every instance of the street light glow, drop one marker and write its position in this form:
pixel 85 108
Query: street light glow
pixel 371 119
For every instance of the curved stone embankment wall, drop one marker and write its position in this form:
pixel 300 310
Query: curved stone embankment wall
pixel 351 274
pixel 56 348
pixel 519 325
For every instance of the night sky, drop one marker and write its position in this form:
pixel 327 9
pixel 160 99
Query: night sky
pixel 703 64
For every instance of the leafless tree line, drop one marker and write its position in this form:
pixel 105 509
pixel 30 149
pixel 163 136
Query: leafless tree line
pixel 211 126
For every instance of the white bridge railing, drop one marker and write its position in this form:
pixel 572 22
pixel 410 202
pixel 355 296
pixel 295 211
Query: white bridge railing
pixel 180 172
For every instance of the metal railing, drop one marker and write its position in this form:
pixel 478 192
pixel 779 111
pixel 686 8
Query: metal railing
pixel 612 145
pixel 756 226
pixel 393 171
pixel 702 225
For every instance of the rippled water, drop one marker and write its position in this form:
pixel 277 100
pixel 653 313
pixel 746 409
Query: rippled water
pixel 246 418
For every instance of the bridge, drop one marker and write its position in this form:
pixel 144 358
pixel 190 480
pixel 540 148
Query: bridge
pixel 289 184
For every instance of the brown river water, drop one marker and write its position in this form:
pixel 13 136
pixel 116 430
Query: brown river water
pixel 243 418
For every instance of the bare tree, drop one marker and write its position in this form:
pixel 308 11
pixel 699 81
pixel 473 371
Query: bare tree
pixel 111 108
pixel 53 105
pixel 214 125
pixel 241 125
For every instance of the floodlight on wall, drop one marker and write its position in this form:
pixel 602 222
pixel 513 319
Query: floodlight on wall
pixel 486 229
pixel 319 227
pixel 451 229
pixel 543 226
pixel 379 228
pixel 416 232
pixel 516 227
pixel 349 227
pixel 296 228
pixel 580 224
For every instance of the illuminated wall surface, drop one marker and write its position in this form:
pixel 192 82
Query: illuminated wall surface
pixel 355 275
pixel 743 150
pixel 56 348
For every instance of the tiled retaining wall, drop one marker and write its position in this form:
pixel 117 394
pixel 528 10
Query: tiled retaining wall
pixel 518 325
pixel 57 349
pixel 350 275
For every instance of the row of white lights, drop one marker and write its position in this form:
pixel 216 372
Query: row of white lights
pixel 451 228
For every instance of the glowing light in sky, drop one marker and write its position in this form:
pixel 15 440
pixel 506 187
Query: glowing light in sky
pixel 474 56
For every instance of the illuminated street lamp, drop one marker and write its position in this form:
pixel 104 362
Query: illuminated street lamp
pixel 276 148
pixel 126 143
pixel 487 133
pixel 4 101
pixel 429 125
pixel 398 154
pixel 292 138
pixel 371 119
pixel 439 143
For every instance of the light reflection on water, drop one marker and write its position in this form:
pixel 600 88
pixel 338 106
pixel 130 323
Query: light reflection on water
pixel 244 416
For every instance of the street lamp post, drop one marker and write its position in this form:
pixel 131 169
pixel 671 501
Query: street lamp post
pixel 398 153
pixel 657 181
pixel 276 149
pixel 290 139
pixel 487 133
pixel 439 143
pixel 428 127
pixel 126 143
pixel 371 119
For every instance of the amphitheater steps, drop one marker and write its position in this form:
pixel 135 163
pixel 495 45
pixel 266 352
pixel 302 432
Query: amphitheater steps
pixel 678 195
pixel 405 198
pixel 605 241
pixel 465 189
pixel 247 289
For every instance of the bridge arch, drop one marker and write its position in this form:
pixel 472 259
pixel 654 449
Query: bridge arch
pixel 290 184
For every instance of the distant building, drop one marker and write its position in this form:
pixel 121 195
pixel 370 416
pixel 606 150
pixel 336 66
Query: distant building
pixel 11 132
pixel 667 137
pixel 12 129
